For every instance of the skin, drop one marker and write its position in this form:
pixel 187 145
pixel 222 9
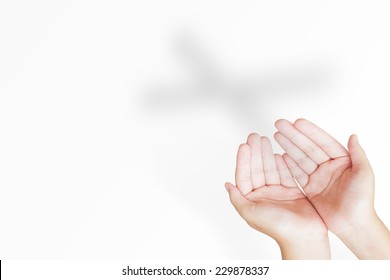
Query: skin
pixel 337 193
pixel 339 184
pixel 269 200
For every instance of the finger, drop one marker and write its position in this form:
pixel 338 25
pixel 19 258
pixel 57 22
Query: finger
pixel 286 178
pixel 257 172
pixel 241 204
pixel 313 151
pixel 358 156
pixel 302 159
pixel 301 177
pixel 275 193
pixel 271 173
pixel 325 141
pixel 243 169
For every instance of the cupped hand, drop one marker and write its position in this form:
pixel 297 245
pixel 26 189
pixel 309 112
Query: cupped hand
pixel 267 196
pixel 338 183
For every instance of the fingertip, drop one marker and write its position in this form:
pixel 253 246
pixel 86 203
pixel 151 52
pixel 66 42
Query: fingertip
pixel 278 156
pixel 253 138
pixel 243 146
pixel 357 154
pixel 266 143
pixel 301 123
pixel 355 138
pixel 281 122
pixel 228 186
pixel 279 160
pixel 287 159
pixel 300 120
pixel 353 141
pixel 276 123
pixel 243 150
pixel 253 135
pixel 265 139
pixel 279 138
pixel 233 190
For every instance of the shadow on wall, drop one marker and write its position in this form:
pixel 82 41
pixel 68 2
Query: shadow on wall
pixel 248 97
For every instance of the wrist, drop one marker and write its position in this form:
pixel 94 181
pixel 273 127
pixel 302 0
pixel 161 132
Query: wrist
pixel 367 238
pixel 305 247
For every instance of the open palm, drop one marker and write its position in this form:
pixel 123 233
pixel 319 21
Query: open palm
pixel 267 196
pixel 323 168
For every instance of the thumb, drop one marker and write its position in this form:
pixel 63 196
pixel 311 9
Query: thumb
pixel 357 154
pixel 242 205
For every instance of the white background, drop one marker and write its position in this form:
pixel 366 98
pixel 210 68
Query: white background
pixel 113 269
pixel 120 120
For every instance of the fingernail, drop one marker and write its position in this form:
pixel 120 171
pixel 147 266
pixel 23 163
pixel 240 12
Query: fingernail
pixel 227 187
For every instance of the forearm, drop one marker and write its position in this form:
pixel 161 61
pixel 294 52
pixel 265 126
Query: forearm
pixel 306 248
pixel 369 239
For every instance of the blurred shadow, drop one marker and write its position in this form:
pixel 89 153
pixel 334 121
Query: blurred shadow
pixel 248 97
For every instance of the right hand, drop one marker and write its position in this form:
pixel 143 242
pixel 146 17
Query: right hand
pixel 339 183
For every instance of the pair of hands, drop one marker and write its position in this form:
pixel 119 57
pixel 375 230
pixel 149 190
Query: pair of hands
pixel 335 192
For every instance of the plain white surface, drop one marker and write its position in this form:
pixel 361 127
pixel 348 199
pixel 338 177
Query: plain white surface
pixel 120 120
pixel 113 269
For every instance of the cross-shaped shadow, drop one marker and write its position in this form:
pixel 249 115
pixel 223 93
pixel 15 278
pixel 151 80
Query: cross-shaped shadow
pixel 248 97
